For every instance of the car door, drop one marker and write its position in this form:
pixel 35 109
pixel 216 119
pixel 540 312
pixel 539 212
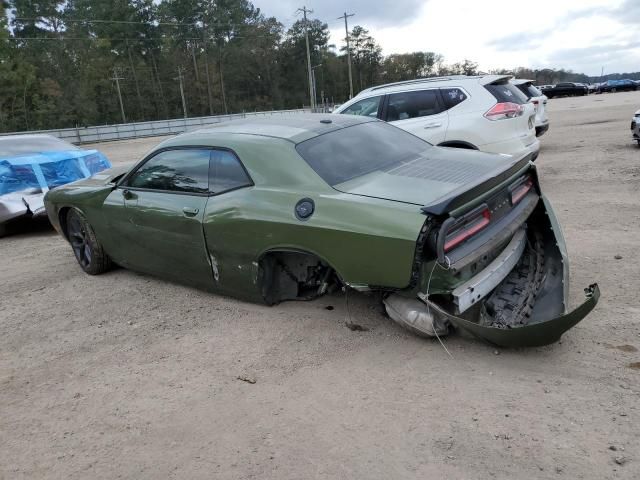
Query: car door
pixel 157 213
pixel 226 227
pixel 420 112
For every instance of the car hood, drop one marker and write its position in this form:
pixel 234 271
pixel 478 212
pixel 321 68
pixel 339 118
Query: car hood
pixel 431 179
pixel 102 178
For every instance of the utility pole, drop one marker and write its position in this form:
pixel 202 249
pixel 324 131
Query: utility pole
pixel 304 11
pixel 184 104
pixel 117 79
pixel 315 90
pixel 346 31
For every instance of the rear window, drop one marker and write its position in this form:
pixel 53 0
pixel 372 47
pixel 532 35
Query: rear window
pixel 529 90
pixel 355 151
pixel 452 96
pixel 506 92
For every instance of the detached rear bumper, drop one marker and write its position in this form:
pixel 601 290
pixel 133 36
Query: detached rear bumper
pixel 515 298
pixel 533 335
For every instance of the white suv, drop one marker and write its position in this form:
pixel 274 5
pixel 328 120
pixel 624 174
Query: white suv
pixel 539 101
pixel 485 112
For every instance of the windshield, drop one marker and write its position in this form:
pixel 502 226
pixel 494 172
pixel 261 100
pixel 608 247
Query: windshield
pixel 355 151
pixel 22 145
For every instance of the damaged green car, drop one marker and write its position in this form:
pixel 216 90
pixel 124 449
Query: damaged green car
pixel 292 207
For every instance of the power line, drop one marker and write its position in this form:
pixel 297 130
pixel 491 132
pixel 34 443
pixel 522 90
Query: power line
pixel 133 22
pixel 140 39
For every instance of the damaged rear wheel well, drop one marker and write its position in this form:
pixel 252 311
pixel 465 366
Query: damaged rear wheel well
pixel 294 275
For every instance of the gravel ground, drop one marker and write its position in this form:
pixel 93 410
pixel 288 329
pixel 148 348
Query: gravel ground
pixel 126 376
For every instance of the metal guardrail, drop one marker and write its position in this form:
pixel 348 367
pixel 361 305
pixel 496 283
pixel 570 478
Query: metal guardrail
pixel 123 131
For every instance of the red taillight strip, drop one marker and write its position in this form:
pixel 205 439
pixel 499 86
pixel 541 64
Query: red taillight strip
pixel 519 191
pixel 471 224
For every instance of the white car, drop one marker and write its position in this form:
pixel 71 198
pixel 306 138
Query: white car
pixel 484 112
pixel 539 101
pixel 635 127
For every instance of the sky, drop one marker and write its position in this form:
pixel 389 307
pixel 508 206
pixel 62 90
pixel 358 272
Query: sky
pixel 585 36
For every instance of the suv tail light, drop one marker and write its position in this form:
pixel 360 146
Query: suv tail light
pixel 467 227
pixel 503 110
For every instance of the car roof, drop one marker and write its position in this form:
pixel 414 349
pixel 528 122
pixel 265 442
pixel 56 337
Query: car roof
pixel 419 82
pixel 294 127
pixel 30 136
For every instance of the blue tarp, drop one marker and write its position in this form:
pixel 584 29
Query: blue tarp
pixel 46 170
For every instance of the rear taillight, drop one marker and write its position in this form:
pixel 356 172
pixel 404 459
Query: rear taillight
pixel 501 111
pixel 467 227
pixel 520 189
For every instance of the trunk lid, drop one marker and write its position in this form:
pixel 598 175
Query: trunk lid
pixel 441 179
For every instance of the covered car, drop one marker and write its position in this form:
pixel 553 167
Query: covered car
pixel 292 207
pixel 31 165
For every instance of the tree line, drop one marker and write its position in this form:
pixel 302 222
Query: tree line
pixel 62 62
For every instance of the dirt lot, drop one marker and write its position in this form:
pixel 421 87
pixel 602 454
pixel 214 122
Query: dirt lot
pixel 126 376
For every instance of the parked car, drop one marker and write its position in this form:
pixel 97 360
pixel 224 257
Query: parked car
pixel 30 165
pixel 481 112
pixel 292 207
pixel 612 86
pixel 539 101
pixel 635 127
pixel 568 89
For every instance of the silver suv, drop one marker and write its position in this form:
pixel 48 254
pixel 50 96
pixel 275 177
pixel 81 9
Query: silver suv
pixel 484 112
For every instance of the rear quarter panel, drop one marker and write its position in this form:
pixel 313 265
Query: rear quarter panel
pixel 367 241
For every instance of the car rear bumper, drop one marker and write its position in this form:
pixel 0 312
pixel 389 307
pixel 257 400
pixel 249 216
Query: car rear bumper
pixel 518 299
pixel 18 204
pixel 533 335
pixel 515 146
pixel 542 129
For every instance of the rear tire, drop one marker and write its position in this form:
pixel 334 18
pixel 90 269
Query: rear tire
pixel 87 249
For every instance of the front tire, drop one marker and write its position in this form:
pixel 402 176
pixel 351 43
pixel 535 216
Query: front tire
pixel 87 249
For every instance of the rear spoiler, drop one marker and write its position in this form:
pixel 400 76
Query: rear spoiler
pixel 495 79
pixel 467 193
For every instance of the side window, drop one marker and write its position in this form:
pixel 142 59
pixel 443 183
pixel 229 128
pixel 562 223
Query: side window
pixel 452 96
pixel 406 105
pixel 226 172
pixel 183 170
pixel 368 107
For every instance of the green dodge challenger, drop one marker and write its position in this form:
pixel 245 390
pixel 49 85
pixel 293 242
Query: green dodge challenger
pixel 292 207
